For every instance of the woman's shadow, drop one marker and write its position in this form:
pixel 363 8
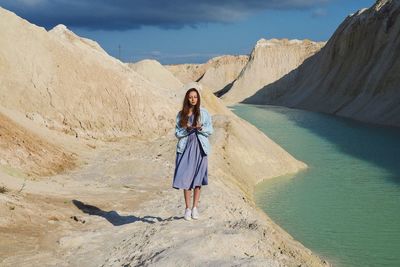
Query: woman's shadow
pixel 116 219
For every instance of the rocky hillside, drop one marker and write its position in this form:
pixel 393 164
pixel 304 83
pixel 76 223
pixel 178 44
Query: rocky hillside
pixel 355 75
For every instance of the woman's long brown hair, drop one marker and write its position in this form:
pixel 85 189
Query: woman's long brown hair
pixel 186 107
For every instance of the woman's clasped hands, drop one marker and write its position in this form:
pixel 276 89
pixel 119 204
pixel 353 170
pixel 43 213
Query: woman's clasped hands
pixel 197 127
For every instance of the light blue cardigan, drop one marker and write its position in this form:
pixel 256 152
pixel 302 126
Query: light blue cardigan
pixel 207 129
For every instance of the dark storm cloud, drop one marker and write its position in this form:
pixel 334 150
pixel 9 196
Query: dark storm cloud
pixel 130 14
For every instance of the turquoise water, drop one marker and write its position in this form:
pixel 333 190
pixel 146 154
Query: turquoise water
pixel 346 206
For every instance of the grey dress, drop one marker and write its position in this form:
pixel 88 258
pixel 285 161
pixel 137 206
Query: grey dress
pixel 191 166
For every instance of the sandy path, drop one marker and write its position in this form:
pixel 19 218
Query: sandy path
pixel 119 209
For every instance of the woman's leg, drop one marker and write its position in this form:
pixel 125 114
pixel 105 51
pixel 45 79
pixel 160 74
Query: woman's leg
pixel 196 196
pixel 187 195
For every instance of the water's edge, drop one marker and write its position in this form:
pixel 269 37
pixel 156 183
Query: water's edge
pixel 335 207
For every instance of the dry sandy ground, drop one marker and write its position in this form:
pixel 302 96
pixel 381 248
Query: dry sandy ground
pixel 119 209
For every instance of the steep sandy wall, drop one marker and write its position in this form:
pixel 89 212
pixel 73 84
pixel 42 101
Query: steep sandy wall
pixel 222 71
pixel 216 73
pixel 187 72
pixel 269 61
pixel 355 75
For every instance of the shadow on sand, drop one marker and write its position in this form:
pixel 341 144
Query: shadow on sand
pixel 115 219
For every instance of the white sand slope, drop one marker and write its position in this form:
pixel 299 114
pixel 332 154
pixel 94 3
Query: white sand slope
pixel 187 72
pixel 269 61
pixel 25 153
pixel 74 86
pixel 156 74
pixel 63 32
pixel 222 71
pixel 112 203
pixel 216 73
pixel 355 75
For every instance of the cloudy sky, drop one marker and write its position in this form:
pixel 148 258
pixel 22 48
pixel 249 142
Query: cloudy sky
pixel 187 31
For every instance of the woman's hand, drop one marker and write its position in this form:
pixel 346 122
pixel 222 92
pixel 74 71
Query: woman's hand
pixel 188 127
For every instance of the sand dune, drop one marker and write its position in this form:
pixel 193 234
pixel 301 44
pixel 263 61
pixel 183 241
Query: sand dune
pixel 355 75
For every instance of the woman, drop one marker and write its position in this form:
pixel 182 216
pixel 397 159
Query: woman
pixel 193 127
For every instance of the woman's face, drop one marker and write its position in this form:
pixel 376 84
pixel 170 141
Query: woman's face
pixel 192 98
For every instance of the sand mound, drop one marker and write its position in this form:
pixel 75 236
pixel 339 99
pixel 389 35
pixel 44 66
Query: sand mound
pixel 156 74
pixel 216 73
pixel 187 72
pixel 76 87
pixel 63 32
pixel 269 61
pixel 222 71
pixel 355 75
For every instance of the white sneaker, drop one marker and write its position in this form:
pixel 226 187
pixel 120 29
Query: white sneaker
pixel 195 213
pixel 188 213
